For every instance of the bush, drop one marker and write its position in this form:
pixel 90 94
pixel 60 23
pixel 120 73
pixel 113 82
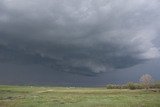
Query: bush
pixel 111 86
pixel 131 86
pixel 155 85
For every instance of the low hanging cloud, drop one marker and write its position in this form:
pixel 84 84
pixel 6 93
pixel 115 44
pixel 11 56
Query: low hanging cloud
pixel 83 37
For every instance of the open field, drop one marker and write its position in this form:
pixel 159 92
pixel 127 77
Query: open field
pixel 28 96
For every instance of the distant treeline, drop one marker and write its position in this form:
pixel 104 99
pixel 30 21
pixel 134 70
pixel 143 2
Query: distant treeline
pixel 133 86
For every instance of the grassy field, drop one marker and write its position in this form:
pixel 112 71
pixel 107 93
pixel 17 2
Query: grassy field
pixel 28 96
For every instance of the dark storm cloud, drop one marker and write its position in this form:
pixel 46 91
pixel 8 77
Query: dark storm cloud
pixel 82 36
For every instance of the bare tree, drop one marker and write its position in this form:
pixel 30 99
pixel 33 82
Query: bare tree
pixel 146 80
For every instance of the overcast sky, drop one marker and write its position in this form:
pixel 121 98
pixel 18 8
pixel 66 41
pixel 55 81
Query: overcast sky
pixel 93 41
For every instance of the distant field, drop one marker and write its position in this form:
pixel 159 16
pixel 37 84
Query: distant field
pixel 27 96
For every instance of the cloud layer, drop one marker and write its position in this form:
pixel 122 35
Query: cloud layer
pixel 84 37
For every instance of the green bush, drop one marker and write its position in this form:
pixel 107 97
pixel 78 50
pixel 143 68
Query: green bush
pixel 131 86
pixel 155 85
pixel 111 86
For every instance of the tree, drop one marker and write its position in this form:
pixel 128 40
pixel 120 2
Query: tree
pixel 146 80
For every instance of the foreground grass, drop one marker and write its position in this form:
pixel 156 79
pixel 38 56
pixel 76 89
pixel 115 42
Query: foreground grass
pixel 28 96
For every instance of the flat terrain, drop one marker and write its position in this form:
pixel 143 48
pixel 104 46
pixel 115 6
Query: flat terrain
pixel 29 96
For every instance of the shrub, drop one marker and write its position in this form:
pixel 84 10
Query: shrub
pixel 111 86
pixel 131 86
pixel 155 85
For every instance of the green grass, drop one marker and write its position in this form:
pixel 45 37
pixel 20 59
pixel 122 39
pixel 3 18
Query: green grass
pixel 28 96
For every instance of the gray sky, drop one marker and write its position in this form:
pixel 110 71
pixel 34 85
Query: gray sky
pixel 85 38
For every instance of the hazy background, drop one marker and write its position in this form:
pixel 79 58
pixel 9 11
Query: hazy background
pixel 78 43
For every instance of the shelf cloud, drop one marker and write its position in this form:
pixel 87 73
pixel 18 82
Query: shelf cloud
pixel 83 37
